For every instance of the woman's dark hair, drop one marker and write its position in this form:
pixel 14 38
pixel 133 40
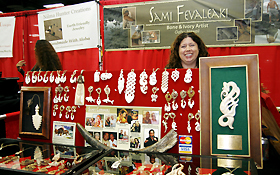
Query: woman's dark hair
pixel 175 60
pixel 47 58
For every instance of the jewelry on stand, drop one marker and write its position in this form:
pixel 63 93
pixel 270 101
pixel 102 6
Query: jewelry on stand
pixel 80 90
pixel 96 76
pixel 188 76
pixel 73 109
pixel 174 125
pixel 27 78
pixel 34 77
pixel 89 98
pixel 68 110
pixel 143 82
pixel 107 92
pixel 98 91
pixel 164 81
pixel 167 106
pixel 175 75
pixel 164 122
pixel 153 78
pixel 191 94
pixel 66 90
pixel 106 76
pixel 73 78
pixel 130 86
pixel 183 95
pixel 63 77
pixel 197 117
pixel 57 79
pixel 190 116
pixel 51 77
pixel 61 109
pixel 45 79
pixel 55 107
pixel 154 96
pixel 121 82
pixel 40 77
pixel 174 95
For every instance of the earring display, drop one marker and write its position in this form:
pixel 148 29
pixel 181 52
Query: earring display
pixel 58 98
pixel 66 90
pixel 57 79
pixel 164 81
pixel 188 76
pixel 174 95
pixel 175 75
pixel 130 86
pixel 34 77
pixel 154 96
pixel 55 107
pixel 51 77
pixel 121 82
pixel 107 92
pixel 197 117
pixel 174 125
pixel 143 82
pixel 167 106
pixel 73 78
pixel 73 110
pixel 40 77
pixel 96 76
pixel 80 90
pixel 190 116
pixel 98 91
pixel 153 78
pixel 27 78
pixel 164 121
pixel 183 95
pixel 89 98
pixel 45 79
pixel 63 77
pixel 68 110
pixel 61 109
pixel 191 94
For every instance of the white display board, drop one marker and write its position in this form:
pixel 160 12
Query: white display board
pixel 7 28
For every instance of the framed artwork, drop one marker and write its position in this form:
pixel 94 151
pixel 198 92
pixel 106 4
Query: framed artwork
pixel 34 118
pixel 230 106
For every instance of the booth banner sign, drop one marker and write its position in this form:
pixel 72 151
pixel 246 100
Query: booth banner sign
pixel 71 27
pixel 7 27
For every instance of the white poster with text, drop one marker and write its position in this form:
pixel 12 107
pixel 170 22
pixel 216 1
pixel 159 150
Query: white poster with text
pixel 7 28
pixel 71 27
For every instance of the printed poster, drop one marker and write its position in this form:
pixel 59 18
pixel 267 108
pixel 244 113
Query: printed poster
pixel 7 28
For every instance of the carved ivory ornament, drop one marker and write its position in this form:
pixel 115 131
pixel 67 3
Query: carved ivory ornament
pixel 229 97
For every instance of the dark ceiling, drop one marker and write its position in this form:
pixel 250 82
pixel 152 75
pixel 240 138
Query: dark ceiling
pixel 7 6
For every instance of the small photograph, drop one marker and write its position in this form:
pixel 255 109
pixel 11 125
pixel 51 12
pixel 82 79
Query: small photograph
pixel 136 35
pixel 253 10
pixel 151 136
pixel 100 165
pixel 64 132
pixel 53 29
pixel 123 115
pixel 65 151
pixel 244 30
pixel 129 17
pixel 154 117
pixel 132 115
pixel 123 135
pixel 227 33
pixel 150 37
pixel 109 168
pixel 95 121
pixel 97 136
pixel 146 117
pixel 110 120
pixel 135 142
pixel 135 126
pixel 110 139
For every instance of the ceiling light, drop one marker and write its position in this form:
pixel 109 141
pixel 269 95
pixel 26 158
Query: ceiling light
pixel 53 5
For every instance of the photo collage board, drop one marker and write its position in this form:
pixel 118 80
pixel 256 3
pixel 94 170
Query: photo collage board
pixel 124 127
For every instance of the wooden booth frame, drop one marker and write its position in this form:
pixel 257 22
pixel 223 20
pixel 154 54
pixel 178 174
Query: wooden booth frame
pixel 38 96
pixel 218 70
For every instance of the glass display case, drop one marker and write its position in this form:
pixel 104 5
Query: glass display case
pixel 25 157
pixel 139 163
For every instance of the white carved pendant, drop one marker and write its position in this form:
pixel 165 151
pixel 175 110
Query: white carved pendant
pixel 130 87
pixel 121 82
pixel 37 118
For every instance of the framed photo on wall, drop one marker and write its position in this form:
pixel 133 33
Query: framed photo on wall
pixel 34 118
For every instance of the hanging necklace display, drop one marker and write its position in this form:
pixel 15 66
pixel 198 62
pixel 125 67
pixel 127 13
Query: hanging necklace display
pixel 68 110
pixel 57 79
pixel 55 107
pixel 36 118
pixel 188 76
pixel 34 77
pixel 183 95
pixel 63 77
pixel 190 116
pixel 40 77
pixel 174 125
pixel 174 95
pixel 164 122
pixel 98 91
pixel 121 82
pixel 164 81
pixel 191 94
pixel 80 90
pixel 66 90
pixel 106 76
pixel 167 106
pixel 143 82
pixel 130 86
pixel 73 109
pixel 27 78
pixel 175 75
pixel 61 109
pixel 107 92
pixel 45 79
pixel 89 98
pixel 153 78
pixel 96 76
pixel 51 77
pixel 154 96
pixel 197 117
pixel 73 78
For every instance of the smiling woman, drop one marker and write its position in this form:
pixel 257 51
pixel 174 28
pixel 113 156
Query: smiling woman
pixel 186 50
